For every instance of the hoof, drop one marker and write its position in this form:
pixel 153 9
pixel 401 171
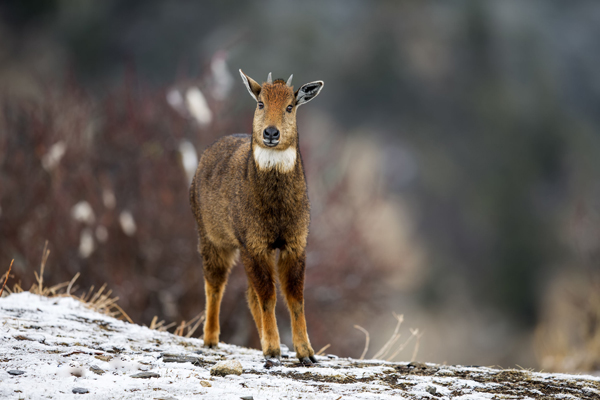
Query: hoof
pixel 211 345
pixel 272 362
pixel 313 359
pixel 307 361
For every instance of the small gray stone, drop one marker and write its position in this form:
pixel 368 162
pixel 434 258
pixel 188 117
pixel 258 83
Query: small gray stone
pixel 110 348
pixel 417 365
pixel 588 391
pixel 80 390
pixel 272 362
pixel 146 375
pixel 16 372
pixel 23 337
pixel 32 337
pixel 431 389
pixel 227 367
pixel 247 398
pixel 180 358
pixel 97 370
pixel 104 358
pixel 445 372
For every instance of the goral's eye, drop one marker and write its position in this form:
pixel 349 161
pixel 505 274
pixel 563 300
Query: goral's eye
pixel 261 105
pixel 289 108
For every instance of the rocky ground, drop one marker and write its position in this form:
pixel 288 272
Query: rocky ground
pixel 58 348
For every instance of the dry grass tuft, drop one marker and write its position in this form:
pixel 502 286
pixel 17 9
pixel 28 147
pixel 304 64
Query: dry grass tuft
pixel 185 328
pixel 367 340
pixel 99 300
pixel 568 337
pixel 102 302
pixel 322 350
pixel 391 349
pixel 188 328
pixel 160 326
pixel 6 277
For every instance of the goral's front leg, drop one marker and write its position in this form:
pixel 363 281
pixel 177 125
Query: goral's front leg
pixel 291 275
pixel 261 278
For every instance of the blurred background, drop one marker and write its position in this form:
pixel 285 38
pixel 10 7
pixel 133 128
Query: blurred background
pixel 452 159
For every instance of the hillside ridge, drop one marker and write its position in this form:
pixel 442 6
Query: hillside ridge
pixel 58 348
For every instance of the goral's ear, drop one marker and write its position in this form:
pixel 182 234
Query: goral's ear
pixel 308 92
pixel 253 87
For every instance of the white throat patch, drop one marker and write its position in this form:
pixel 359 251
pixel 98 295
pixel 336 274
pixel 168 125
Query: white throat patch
pixel 281 160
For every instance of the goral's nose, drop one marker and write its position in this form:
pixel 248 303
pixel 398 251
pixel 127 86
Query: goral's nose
pixel 271 133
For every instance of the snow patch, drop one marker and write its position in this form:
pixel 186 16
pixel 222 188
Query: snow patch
pixel 60 345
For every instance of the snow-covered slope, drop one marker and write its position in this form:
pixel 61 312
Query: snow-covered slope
pixel 51 347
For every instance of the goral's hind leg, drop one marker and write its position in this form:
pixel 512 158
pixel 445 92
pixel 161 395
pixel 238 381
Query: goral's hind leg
pixel 217 264
pixel 291 276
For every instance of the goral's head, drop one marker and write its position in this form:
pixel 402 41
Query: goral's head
pixel 274 125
